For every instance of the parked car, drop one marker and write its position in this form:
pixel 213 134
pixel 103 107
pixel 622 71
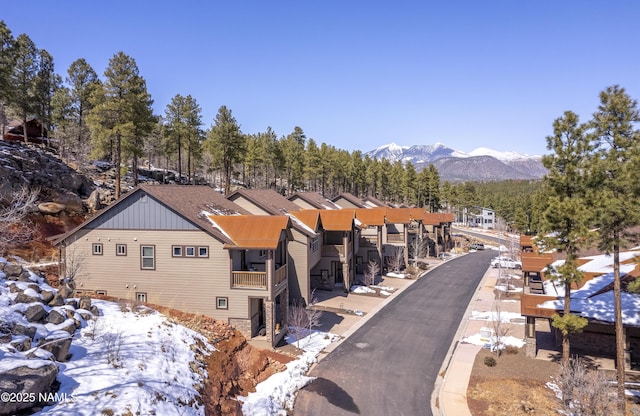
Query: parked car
pixel 506 263
pixel 477 246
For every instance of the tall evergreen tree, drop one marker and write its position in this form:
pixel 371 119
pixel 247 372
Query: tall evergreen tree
pixel 23 78
pixel 47 82
pixel 567 218
pixel 226 143
pixel 121 116
pixel 6 68
pixel 616 165
pixel 83 82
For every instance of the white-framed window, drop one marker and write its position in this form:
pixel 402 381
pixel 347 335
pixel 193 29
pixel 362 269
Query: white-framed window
pixel 262 253
pixel 96 249
pixel 141 297
pixel 176 251
pixel 148 257
pixel 203 251
pixel 222 303
pixel 315 244
pixel 101 292
pixel 190 251
pixel 121 249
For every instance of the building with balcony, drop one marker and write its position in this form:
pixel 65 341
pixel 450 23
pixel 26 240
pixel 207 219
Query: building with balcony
pixel 187 248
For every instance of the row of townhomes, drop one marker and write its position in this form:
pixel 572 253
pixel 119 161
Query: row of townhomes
pixel 592 299
pixel 242 259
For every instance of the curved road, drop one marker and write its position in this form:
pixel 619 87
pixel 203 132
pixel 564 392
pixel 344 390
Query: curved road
pixel 389 365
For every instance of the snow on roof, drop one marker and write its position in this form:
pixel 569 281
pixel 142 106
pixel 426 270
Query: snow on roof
pixel 601 307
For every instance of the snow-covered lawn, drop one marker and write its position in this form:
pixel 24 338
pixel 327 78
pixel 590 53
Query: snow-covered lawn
pixel 276 395
pixel 130 362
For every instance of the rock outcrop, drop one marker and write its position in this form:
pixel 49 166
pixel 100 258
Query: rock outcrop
pixel 36 332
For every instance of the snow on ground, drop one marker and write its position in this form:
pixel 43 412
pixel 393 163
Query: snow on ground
pixel 398 275
pixel 128 362
pixel 276 395
pixel 489 342
pixel 384 290
pixel 506 317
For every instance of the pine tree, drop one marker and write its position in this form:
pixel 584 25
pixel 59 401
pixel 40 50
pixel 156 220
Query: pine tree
pixel 23 78
pixel 226 144
pixel 6 68
pixel 122 116
pixel 567 216
pixel 617 186
pixel 82 81
pixel 47 82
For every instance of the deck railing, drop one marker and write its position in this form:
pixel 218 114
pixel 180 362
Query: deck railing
pixel 395 238
pixel 332 250
pixel 280 275
pixel 252 280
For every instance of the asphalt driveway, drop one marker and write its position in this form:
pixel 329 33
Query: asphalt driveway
pixel 389 365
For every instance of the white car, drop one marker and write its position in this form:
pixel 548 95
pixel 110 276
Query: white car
pixel 506 263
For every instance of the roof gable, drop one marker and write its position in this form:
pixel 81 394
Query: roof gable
pixel 314 199
pixel 266 199
pixel 168 207
pixel 252 231
pixel 338 220
pixel 371 216
pixel 350 199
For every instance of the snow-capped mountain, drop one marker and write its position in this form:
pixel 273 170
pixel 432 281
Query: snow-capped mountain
pixel 483 164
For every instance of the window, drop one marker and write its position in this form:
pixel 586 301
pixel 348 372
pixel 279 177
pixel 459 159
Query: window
pixel 101 292
pixel 148 257
pixel 97 249
pixel 141 297
pixel 314 244
pixel 262 253
pixel 222 303
pixel 190 251
pixel 121 249
pixel 203 251
pixel 177 251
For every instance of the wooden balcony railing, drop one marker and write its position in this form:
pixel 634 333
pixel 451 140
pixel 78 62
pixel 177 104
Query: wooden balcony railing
pixel 395 238
pixel 332 250
pixel 280 276
pixel 246 279
pixel 257 280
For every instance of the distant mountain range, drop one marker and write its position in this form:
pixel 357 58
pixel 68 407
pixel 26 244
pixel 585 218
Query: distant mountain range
pixel 482 164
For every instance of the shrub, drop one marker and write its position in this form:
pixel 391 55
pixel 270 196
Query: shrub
pixel 490 361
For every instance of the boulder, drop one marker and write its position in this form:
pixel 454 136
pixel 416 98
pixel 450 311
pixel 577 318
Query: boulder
pixel 55 317
pixel 50 208
pixel 35 312
pixel 47 296
pixel 11 269
pixel 84 303
pixel 29 331
pixel 93 202
pixel 25 380
pixel 28 297
pixel 72 202
pixel 58 346
pixel 57 300
pixel 21 343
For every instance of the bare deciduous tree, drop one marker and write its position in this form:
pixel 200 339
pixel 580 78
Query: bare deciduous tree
pixel 396 261
pixel 418 248
pixel 15 229
pixel 585 392
pixel 373 268
pixel 302 320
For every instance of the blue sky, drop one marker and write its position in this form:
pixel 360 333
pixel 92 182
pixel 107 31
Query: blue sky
pixel 360 74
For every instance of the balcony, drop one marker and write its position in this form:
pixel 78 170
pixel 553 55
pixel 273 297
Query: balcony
pixel 257 280
pixel 249 280
pixel 395 238
pixel 333 250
